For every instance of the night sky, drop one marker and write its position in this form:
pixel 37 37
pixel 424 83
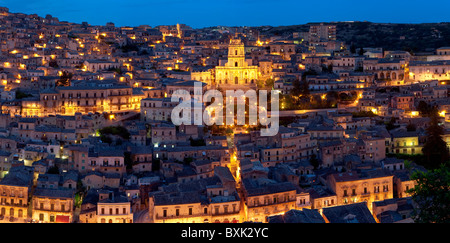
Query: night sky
pixel 205 13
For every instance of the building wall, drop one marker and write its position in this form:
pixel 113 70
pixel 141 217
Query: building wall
pixel 258 208
pixel 114 213
pixel 236 71
pixel 14 201
pixel 365 190
pixel 403 186
pixel 431 71
pixel 46 209
pixel 406 145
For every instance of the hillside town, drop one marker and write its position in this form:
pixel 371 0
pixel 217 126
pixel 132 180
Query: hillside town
pixel 86 131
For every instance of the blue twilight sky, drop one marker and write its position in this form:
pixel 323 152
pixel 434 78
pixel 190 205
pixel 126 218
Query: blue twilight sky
pixel 205 13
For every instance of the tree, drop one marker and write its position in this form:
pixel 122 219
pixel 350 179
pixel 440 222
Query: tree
pixel 53 170
pixel 296 88
pixel 411 127
pixel 116 130
pixel 432 195
pixel 314 161
pixel 361 51
pixel 156 164
pixel 353 49
pixel 64 79
pixel 391 124
pixel 53 63
pixel 435 148
pixel 197 142
pixel 21 95
pixel 269 83
pixel 188 160
pixel 423 108
pixel 106 139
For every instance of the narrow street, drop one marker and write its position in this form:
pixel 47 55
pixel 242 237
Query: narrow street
pixel 236 173
pixel 141 216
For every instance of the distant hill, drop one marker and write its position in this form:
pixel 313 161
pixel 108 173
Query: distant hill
pixel 409 37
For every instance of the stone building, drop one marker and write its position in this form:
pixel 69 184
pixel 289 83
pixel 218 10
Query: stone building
pixel 237 72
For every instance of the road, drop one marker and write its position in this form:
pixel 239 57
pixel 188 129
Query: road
pixel 141 216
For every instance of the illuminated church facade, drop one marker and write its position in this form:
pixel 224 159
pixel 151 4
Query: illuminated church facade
pixel 237 72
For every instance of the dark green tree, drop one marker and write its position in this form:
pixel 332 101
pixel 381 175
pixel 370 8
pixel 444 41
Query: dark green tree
pixel 53 170
pixel 64 79
pixel 435 148
pixel 156 164
pixel 128 160
pixel 432 195
pixel 411 127
pixel 106 139
pixel 21 95
pixel 353 49
pixel 269 83
pixel 116 130
pixel 296 88
pixel 423 108
pixel 391 124
pixel 361 51
pixel 197 142
pixel 314 161
pixel 53 63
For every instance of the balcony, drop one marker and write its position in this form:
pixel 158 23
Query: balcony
pixel 160 217
pixel 111 166
pixel 272 204
pixel 225 213
pixel 114 215
pixel 50 210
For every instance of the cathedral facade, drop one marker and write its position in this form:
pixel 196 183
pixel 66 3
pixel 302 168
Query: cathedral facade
pixel 236 73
